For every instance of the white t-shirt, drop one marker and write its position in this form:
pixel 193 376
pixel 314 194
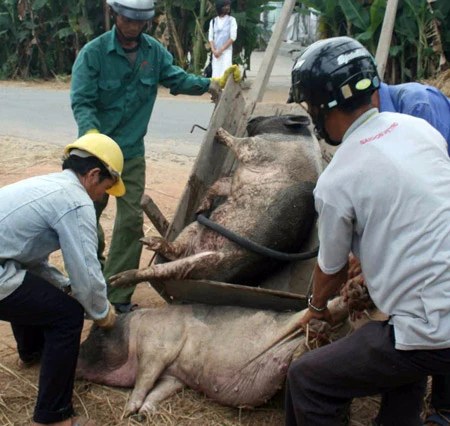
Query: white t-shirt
pixel 386 197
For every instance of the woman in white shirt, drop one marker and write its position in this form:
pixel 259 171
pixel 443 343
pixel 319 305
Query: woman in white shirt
pixel 222 34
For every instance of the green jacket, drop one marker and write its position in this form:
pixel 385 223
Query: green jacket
pixel 112 96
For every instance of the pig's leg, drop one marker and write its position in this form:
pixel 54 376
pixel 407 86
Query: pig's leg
pixel 146 379
pixel 221 188
pixel 178 269
pixel 183 246
pixel 165 387
pixel 243 148
pixel 170 251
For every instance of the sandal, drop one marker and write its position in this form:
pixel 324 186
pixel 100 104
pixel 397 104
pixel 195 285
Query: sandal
pixel 440 417
pixel 125 308
pixel 82 421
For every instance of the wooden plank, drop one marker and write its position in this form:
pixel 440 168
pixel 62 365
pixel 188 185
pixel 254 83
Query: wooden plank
pixel 270 56
pixel 154 214
pixel 216 293
pixel 384 43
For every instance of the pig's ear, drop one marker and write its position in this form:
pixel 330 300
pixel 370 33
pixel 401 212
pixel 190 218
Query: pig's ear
pixel 253 123
pixel 296 121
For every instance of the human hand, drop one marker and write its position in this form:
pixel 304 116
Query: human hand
pixel 234 69
pixel 309 315
pixel 215 90
pixel 354 267
pixel 109 320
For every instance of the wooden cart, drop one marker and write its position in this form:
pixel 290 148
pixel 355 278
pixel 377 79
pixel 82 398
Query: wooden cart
pixel 287 289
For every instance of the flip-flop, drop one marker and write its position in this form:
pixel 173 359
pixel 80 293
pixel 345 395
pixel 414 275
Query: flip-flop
pixel 125 308
pixel 82 421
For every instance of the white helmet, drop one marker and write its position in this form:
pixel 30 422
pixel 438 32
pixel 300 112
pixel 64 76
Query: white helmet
pixel 138 10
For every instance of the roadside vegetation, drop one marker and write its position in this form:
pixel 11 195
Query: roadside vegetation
pixel 41 38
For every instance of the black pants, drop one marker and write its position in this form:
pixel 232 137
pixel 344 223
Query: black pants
pixel 47 321
pixel 321 384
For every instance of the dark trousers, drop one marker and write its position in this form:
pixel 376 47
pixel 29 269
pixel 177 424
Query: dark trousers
pixel 46 321
pixel 321 384
pixel 125 249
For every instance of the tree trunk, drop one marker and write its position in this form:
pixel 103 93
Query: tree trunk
pixel 175 38
pixel 107 16
pixel 198 43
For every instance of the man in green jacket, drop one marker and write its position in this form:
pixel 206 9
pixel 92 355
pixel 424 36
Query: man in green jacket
pixel 115 81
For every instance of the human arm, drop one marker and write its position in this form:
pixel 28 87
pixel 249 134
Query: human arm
pixel 175 78
pixel 50 273
pixel 325 287
pixel 335 231
pixel 77 234
pixel 84 92
pixel 218 53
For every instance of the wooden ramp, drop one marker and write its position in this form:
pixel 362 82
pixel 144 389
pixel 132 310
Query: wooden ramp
pixel 287 289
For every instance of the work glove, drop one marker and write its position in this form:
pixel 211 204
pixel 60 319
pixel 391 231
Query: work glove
pixel 234 69
pixel 215 90
pixel 109 320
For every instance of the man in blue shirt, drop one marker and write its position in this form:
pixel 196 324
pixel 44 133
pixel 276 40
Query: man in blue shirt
pixel 418 100
pixel 37 217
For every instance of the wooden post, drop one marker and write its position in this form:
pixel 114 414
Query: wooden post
pixel 262 78
pixel 154 214
pixel 384 43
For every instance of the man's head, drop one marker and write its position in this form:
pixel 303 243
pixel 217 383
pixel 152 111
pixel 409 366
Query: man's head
pixel 98 162
pixel 223 7
pixel 336 73
pixel 131 17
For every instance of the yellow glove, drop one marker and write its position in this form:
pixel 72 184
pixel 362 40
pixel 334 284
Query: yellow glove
pixel 92 131
pixel 109 320
pixel 234 69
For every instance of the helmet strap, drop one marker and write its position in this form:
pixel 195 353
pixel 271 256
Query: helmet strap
pixel 319 122
pixel 122 36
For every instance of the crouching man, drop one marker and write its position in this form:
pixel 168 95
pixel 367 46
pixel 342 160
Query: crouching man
pixel 384 196
pixel 37 217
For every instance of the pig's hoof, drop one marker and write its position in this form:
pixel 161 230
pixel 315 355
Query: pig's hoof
pixel 131 410
pixel 140 417
pixel 153 243
pixel 124 279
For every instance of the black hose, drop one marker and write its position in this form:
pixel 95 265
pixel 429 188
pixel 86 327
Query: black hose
pixel 257 248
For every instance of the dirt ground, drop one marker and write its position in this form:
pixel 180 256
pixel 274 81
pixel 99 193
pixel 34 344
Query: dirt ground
pixel 166 178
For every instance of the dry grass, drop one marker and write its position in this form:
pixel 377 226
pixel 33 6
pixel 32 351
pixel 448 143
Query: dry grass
pixel 442 82
pixel 18 388
pixel 106 405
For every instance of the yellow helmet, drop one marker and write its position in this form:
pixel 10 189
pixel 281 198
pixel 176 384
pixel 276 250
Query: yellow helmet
pixel 108 152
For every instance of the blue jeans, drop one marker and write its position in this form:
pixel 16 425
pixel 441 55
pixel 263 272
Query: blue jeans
pixel 47 323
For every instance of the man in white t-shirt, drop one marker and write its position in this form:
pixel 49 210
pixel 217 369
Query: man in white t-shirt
pixel 222 34
pixel 384 197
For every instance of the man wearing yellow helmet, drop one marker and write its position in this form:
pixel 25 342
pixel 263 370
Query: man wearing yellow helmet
pixel 37 217
pixel 115 81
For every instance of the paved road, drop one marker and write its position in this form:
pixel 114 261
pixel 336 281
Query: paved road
pixel 45 116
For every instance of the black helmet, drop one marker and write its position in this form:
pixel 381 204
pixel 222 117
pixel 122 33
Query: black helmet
pixel 331 72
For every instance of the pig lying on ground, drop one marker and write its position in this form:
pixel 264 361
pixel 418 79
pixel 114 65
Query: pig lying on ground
pixel 269 201
pixel 236 356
